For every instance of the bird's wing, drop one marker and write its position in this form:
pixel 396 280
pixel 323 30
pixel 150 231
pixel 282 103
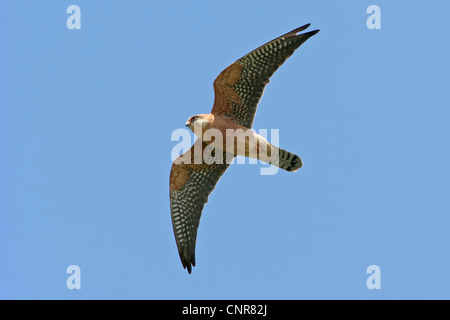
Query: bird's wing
pixel 239 87
pixel 191 182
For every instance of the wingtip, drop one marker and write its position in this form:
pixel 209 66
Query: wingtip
pixel 302 28
pixel 299 29
pixel 188 264
pixel 310 33
pixel 189 268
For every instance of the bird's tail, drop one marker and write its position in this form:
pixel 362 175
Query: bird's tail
pixel 283 159
pixel 288 161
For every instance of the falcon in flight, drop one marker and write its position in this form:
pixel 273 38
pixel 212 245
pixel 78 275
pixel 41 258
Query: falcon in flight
pixel 237 90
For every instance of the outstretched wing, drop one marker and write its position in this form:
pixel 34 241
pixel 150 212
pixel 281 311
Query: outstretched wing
pixel 239 87
pixel 191 182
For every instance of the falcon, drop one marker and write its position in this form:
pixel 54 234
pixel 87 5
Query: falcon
pixel 238 90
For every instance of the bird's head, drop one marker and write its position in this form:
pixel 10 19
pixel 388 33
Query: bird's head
pixel 200 122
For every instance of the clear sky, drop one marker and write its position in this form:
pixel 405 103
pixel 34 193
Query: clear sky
pixel 86 118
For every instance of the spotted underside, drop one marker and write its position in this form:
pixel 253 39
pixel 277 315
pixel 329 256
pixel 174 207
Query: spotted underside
pixel 239 88
pixel 190 186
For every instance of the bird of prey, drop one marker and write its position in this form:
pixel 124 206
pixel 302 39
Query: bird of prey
pixel 237 90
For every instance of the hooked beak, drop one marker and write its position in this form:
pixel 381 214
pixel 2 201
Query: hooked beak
pixel 188 123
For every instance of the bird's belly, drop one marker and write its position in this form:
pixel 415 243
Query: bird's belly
pixel 246 143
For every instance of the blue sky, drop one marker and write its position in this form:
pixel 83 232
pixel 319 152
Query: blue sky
pixel 86 118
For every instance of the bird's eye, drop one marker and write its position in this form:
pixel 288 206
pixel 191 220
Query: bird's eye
pixel 194 118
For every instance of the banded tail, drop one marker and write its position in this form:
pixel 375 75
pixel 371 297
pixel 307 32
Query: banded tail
pixel 287 161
